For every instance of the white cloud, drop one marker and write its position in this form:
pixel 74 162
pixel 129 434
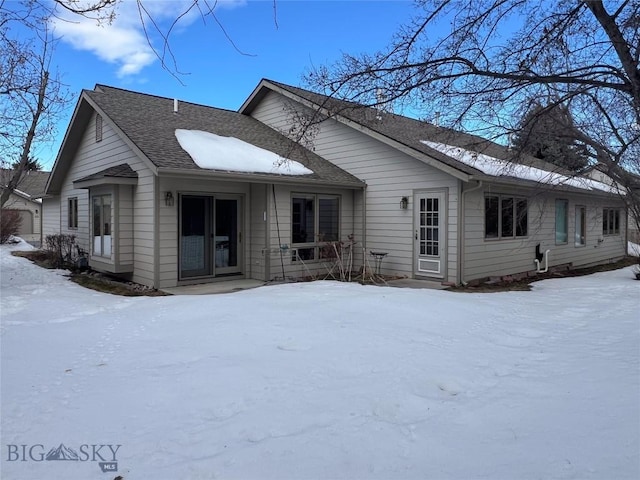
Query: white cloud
pixel 124 42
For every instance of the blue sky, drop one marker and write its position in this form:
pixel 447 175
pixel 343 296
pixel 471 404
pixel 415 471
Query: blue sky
pixel 307 33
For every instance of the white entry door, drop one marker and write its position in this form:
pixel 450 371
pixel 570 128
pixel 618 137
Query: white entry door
pixel 430 234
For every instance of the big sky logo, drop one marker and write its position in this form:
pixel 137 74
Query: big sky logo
pixel 104 454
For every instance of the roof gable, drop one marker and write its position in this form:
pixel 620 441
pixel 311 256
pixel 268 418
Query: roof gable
pixel 417 138
pixel 150 123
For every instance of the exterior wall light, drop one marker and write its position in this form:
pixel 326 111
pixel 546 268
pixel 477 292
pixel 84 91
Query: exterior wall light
pixel 168 199
pixel 404 203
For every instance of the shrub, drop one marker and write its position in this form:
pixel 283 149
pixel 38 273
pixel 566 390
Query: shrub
pixel 61 248
pixel 10 222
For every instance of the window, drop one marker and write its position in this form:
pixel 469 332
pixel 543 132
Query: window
pixel 315 220
pixel 581 231
pixel 102 225
pixel 98 128
pixel 562 234
pixel 505 217
pixel 72 214
pixel 611 221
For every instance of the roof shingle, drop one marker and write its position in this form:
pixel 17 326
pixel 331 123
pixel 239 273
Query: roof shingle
pixel 150 123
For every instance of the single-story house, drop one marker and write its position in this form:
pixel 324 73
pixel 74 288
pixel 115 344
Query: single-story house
pixel 27 201
pixel 171 193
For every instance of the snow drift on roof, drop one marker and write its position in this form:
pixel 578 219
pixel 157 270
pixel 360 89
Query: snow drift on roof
pixel 214 152
pixel 502 168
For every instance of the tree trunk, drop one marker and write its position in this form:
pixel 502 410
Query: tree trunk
pixel 26 149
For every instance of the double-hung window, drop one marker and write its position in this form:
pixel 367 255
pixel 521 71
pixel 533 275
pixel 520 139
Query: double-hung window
pixel 562 221
pixel 611 221
pixel 72 213
pixel 315 220
pixel 505 217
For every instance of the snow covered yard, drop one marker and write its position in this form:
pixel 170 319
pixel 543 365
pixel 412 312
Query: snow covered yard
pixel 320 380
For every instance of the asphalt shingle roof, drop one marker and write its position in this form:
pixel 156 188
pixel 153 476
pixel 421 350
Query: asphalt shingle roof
pixel 410 132
pixel 150 123
pixel 118 171
pixel 33 182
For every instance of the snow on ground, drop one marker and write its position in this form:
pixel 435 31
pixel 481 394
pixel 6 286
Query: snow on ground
pixel 633 249
pixel 215 152
pixel 320 380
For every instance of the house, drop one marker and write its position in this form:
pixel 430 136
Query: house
pixel 470 214
pixel 170 193
pixel 27 201
pixel 137 202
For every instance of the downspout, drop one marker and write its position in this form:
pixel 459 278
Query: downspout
pixel 42 223
pixel 461 230
pixel 267 233
pixel 364 225
pixel 156 234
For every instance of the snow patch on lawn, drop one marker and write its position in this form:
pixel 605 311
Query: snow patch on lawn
pixel 215 152
pixel 323 380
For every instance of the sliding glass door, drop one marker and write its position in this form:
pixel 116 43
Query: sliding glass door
pixel 210 236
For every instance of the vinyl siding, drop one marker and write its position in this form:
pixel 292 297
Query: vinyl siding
pixel 389 175
pixel 50 216
pixel 31 212
pixel 92 157
pixel 497 257
pixel 280 231
pixel 125 225
pixel 258 247
pixel 169 228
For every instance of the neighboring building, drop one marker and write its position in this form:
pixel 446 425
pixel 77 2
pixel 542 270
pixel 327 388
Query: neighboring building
pixel 440 204
pixel 27 201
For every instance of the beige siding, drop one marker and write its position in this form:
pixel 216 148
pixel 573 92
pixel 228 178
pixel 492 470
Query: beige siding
pixel 125 225
pixel 31 214
pixel 258 221
pixel 92 157
pixel 493 257
pixel 50 216
pixel 168 221
pixel 390 175
pixel 280 231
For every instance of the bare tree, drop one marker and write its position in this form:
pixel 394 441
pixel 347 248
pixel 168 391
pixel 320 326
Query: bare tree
pixel 31 96
pixel 495 56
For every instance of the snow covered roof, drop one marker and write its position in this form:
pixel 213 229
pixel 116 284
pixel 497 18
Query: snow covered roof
pixel 434 145
pixel 496 167
pixel 148 124
pixel 215 152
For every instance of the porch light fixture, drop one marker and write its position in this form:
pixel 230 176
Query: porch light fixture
pixel 168 199
pixel 404 203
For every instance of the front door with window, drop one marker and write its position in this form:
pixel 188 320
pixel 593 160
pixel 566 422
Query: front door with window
pixel 210 236
pixel 430 234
